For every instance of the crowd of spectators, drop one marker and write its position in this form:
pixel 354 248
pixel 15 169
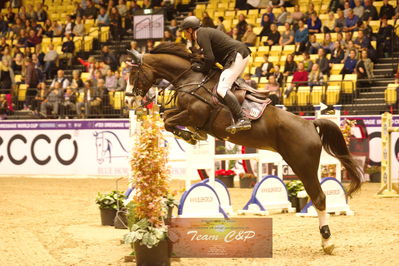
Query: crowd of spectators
pixel 35 63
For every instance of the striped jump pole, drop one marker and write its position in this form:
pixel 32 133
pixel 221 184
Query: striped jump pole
pixel 388 188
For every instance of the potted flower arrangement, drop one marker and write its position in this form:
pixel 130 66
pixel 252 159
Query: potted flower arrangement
pixel 109 204
pixel 148 210
pixel 374 173
pixel 226 176
pixel 295 188
pixel 247 180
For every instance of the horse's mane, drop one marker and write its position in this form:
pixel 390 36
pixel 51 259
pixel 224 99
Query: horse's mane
pixel 179 50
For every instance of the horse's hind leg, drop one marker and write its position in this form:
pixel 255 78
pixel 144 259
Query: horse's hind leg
pixel 305 163
pixel 174 118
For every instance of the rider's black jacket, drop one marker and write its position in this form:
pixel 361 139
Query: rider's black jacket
pixel 217 46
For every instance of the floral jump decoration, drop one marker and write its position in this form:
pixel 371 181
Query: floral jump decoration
pixel 224 172
pixel 150 173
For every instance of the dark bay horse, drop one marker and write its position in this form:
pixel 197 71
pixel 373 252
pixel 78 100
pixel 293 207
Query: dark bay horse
pixel 299 141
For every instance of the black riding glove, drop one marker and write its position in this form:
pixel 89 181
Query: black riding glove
pixel 198 67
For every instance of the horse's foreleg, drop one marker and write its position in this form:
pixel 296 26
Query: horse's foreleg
pixel 174 119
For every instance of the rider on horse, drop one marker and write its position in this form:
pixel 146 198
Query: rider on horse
pixel 233 55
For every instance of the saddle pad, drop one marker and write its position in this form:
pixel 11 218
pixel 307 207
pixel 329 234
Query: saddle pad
pixel 254 110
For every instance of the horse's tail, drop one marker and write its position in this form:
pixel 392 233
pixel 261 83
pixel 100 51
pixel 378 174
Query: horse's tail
pixel 334 144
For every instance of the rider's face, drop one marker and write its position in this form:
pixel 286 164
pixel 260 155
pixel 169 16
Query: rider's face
pixel 188 34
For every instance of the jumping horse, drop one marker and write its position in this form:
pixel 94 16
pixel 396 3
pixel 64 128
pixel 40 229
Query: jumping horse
pixel 297 140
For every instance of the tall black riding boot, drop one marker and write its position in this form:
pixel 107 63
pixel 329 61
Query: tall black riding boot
pixel 243 123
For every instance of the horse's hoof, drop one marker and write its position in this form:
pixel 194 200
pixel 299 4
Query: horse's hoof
pixel 329 249
pixel 191 141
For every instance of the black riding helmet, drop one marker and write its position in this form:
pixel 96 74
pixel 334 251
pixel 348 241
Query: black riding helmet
pixel 190 22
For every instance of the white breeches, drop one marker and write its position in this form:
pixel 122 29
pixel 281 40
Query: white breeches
pixel 229 75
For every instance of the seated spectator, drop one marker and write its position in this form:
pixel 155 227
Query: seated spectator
pixel 370 12
pixel 329 23
pixel 90 12
pixel 33 39
pixel 327 44
pixel 282 18
pixel 3 26
pixel 347 8
pixel 274 36
pixel 41 14
pixel 340 22
pixel 3 44
pixel 347 38
pixel 314 23
pixel 6 55
pixel 350 63
pixel 278 75
pixel 10 15
pixel 249 37
pixel 307 62
pixel 351 21
pixel 110 81
pixel 301 36
pixel 83 99
pixel 310 11
pixel 290 66
pixel 17 63
pixel 269 13
pixel 3 107
pixel 7 82
pixel 337 54
pixel 89 64
pixel 69 25
pixel 57 29
pixel 50 61
pixel 52 101
pixel 384 39
pixel 76 82
pixel 300 78
pixel 364 68
pixel 167 36
pixel 322 61
pixel 122 8
pixel 265 68
pixel 266 23
pixel 287 37
pixel 241 26
pixel 121 82
pixel 98 96
pixel 358 10
pixel 249 81
pixel 367 29
pixel 97 75
pixel 313 45
pixel 297 15
pixel 110 58
pixel 103 18
pixel 68 50
pixel 68 103
pixel 61 79
pixel 79 11
pixel 274 90
pixel 387 11
pixel 361 41
pixel 79 28
pixel 39 98
pixel 350 47
pixel 31 79
pixel 316 78
pixel 220 26
pixel 48 28
pixel 30 12
pixel 115 24
pixel 207 21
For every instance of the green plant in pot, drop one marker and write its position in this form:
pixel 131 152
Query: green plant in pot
pixel 247 180
pixel 374 173
pixel 295 188
pixel 109 203
pixel 148 210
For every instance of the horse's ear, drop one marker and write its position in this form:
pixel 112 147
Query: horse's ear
pixel 137 57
